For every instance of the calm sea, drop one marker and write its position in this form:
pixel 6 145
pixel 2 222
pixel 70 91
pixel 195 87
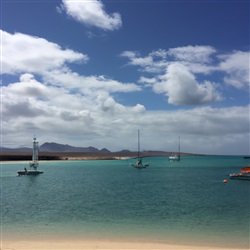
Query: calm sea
pixel 184 202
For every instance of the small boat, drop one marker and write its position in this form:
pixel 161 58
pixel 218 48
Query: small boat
pixel 176 157
pixel 139 163
pixel 34 164
pixel 243 175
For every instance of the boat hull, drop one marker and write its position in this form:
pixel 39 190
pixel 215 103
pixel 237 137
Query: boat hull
pixel 243 175
pixel 240 176
pixel 174 158
pixel 31 172
pixel 139 166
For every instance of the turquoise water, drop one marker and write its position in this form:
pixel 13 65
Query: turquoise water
pixel 185 202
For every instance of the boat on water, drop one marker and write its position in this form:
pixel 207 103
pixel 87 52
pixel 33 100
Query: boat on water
pixel 243 175
pixel 34 164
pixel 176 157
pixel 139 163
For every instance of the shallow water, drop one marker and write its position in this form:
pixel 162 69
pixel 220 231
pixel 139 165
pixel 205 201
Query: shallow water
pixel 185 202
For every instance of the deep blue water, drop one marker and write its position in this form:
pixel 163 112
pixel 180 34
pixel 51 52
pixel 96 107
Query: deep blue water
pixel 184 201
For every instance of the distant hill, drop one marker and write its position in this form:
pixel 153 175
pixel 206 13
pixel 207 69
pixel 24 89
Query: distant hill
pixel 104 150
pixel 2 149
pixel 56 147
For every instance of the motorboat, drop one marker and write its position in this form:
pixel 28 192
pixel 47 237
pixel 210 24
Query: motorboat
pixel 243 175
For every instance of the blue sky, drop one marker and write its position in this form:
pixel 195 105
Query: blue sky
pixel 90 73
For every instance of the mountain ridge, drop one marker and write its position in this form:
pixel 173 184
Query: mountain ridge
pixel 56 147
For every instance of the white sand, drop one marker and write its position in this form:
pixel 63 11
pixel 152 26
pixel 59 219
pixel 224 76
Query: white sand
pixel 93 244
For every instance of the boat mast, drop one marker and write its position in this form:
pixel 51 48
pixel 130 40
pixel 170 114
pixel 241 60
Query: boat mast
pixel 138 144
pixel 179 148
pixel 34 163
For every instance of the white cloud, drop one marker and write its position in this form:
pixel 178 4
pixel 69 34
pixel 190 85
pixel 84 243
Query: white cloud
pixel 34 106
pixel 25 53
pixel 155 62
pixel 196 58
pixel 56 114
pixel 87 84
pixel 181 87
pixel 195 54
pixel 63 106
pixel 237 68
pixel 175 72
pixel 28 54
pixel 92 13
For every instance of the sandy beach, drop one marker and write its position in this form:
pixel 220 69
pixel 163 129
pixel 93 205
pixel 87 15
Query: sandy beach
pixel 95 244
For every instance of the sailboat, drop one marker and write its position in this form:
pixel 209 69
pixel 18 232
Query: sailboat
pixel 34 164
pixel 139 163
pixel 176 157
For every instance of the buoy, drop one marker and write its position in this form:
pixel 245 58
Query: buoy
pixel 225 181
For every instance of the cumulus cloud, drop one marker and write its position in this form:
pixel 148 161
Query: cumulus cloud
pixel 196 58
pixel 54 102
pixel 61 101
pixel 237 68
pixel 28 54
pixel 98 120
pixel 57 109
pixel 181 87
pixel 25 53
pixel 175 72
pixel 91 13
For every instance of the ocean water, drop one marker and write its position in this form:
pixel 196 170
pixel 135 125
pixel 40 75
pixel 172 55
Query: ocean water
pixel 182 202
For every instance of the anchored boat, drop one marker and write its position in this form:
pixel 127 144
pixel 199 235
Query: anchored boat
pixel 176 157
pixel 243 175
pixel 139 163
pixel 34 164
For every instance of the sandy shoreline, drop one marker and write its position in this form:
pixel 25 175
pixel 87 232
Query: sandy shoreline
pixel 94 244
pixel 43 156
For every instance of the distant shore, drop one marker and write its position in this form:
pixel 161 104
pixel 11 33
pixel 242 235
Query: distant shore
pixel 25 156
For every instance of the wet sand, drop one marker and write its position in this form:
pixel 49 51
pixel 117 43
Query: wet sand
pixel 36 244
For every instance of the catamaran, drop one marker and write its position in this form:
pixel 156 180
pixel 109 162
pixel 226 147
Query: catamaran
pixel 34 164
pixel 176 157
pixel 139 163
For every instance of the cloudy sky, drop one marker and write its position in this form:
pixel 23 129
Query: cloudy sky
pixel 91 73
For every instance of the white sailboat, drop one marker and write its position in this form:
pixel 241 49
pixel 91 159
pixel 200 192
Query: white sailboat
pixel 34 164
pixel 176 157
pixel 139 163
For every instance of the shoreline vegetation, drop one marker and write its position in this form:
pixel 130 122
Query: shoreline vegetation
pixel 62 156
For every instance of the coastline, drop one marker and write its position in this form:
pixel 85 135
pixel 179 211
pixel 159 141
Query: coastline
pixel 57 240
pixel 69 244
pixel 76 156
